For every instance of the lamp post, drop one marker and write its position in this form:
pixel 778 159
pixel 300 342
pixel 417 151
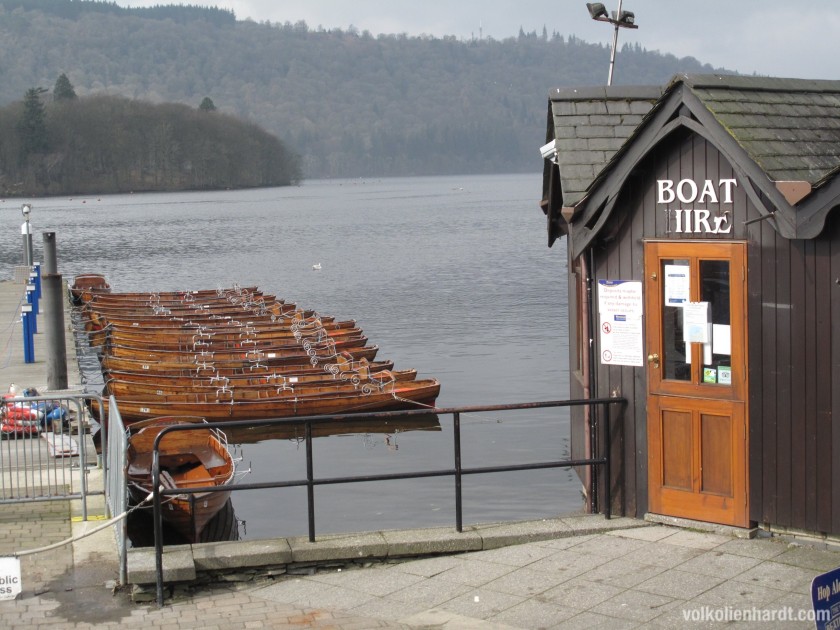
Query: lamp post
pixel 619 19
pixel 26 209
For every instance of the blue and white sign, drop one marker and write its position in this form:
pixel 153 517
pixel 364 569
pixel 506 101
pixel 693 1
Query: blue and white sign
pixel 825 594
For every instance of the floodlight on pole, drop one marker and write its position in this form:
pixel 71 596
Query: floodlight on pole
pixel 619 19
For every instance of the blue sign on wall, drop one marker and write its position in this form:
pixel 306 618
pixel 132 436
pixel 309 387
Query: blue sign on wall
pixel 825 594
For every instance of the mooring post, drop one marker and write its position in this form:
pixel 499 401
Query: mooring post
pixel 51 285
pixel 54 332
pixel 50 259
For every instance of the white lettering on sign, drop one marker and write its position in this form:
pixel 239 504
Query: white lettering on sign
pixel 697 220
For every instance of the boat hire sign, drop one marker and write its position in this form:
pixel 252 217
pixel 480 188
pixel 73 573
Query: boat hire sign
pixel 620 307
pixel 10 582
pixel 692 217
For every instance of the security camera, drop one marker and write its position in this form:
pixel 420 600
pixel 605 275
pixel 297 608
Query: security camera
pixel 548 151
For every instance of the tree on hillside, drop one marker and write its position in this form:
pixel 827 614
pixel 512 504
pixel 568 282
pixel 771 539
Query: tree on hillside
pixel 32 125
pixel 207 105
pixel 63 90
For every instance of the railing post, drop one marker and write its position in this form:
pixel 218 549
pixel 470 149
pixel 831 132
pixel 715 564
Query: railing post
pixel 456 438
pixel 310 485
pixel 157 519
pixel 607 479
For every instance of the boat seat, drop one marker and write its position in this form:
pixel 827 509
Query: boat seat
pixel 166 480
pixel 141 465
pixel 208 457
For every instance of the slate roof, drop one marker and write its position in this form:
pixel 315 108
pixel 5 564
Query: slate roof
pixel 789 127
pixel 590 126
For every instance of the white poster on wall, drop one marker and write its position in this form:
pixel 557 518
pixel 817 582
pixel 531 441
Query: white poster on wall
pixel 620 308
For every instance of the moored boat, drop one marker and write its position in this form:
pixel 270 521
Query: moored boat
pixel 399 395
pixel 86 285
pixel 253 365
pixel 194 458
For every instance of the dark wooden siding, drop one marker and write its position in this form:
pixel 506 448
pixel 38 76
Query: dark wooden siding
pixel 793 332
pixel 794 326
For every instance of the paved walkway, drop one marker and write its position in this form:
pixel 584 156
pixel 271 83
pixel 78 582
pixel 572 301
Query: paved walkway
pixel 631 574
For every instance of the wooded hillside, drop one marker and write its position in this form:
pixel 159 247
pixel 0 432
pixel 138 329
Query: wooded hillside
pixel 52 145
pixel 350 103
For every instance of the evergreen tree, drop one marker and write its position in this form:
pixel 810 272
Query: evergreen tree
pixel 63 90
pixel 32 125
pixel 207 105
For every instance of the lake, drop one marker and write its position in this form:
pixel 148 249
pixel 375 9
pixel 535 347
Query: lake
pixel 448 275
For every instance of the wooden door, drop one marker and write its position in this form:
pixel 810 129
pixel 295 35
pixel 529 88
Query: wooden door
pixel 695 302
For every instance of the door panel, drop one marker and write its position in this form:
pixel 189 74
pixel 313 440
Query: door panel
pixel 676 450
pixel 695 302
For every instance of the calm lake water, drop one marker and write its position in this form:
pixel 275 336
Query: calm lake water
pixel 448 275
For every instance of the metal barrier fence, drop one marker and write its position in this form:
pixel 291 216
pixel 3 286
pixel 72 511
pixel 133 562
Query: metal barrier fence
pixel 46 449
pixel 457 471
pixel 116 493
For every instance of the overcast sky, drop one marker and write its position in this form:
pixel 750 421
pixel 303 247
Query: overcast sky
pixel 784 38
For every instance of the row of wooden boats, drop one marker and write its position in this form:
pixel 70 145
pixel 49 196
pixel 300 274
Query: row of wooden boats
pixel 236 353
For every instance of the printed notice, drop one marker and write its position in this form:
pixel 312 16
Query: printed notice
pixel 677 285
pixel 696 322
pixel 620 304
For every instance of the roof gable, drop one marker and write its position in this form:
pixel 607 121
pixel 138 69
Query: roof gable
pixel 783 135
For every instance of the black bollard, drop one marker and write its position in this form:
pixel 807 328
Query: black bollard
pixel 53 312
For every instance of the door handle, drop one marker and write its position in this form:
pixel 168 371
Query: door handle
pixel 653 359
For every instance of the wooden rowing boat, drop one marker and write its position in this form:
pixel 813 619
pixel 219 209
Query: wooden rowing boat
pixel 195 458
pixel 265 364
pixel 223 307
pixel 86 285
pixel 328 347
pixel 274 379
pixel 343 362
pixel 174 340
pixel 177 297
pixel 94 321
pixel 244 388
pixel 223 329
pixel 401 395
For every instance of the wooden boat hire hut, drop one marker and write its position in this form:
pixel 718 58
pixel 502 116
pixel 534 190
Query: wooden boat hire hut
pixel 703 240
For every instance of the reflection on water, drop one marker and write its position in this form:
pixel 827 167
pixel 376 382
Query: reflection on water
pixel 448 275
pixel 356 425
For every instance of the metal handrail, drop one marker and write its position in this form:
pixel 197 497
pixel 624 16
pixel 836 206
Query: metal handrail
pixel 458 471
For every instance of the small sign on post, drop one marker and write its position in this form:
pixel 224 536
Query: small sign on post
pixel 10 581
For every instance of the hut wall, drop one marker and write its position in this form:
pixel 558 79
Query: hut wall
pixel 794 359
pixel 793 333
